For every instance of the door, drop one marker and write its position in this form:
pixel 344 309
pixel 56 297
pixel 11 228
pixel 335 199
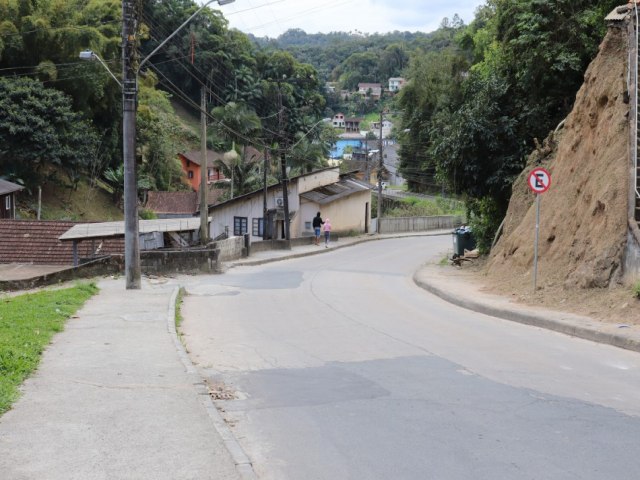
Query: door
pixel 366 218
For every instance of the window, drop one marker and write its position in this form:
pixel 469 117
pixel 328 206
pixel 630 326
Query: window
pixel 307 226
pixel 239 226
pixel 188 163
pixel 7 202
pixel 210 173
pixel 190 174
pixel 257 227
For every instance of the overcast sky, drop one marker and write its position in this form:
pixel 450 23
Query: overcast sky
pixel 273 17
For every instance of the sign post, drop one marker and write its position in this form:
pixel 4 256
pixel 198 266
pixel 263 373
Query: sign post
pixel 539 182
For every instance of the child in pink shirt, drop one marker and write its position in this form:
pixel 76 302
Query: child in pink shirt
pixel 327 232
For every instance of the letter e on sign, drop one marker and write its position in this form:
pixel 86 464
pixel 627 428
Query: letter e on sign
pixel 539 180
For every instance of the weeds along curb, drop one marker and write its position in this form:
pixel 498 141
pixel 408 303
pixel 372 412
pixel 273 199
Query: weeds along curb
pixel 240 459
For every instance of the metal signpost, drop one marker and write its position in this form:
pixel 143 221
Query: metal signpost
pixel 539 182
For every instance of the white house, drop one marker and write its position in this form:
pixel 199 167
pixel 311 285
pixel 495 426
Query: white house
pixel 345 200
pixel 338 120
pixel 387 126
pixel 373 89
pixel 396 84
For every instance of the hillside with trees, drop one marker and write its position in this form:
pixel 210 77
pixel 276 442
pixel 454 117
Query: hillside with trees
pixel 60 117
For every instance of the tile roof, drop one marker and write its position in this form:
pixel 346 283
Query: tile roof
pixel 8 187
pixel 36 241
pixel 172 202
pixel 252 155
pixel 181 203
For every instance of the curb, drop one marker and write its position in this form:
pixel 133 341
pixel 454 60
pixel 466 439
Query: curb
pixel 253 263
pixel 240 459
pixel 531 319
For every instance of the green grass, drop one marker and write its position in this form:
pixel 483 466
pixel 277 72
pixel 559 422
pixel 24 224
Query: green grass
pixel 636 289
pixel 179 300
pixel 27 324
pixel 417 207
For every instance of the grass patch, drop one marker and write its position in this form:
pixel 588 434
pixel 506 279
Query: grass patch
pixel 418 207
pixel 636 289
pixel 27 324
pixel 179 300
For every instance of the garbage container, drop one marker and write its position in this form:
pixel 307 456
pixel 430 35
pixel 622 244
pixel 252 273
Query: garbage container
pixel 462 240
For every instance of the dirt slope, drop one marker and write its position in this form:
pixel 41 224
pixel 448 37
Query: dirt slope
pixel 584 214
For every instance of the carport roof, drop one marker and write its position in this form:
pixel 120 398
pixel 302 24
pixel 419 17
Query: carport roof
pixel 8 187
pixel 114 229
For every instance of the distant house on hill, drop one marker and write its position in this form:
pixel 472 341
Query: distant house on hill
pixel 373 90
pixel 352 124
pixel 192 167
pixel 338 120
pixel 8 194
pixel 396 84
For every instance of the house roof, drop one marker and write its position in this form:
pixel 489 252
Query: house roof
pixel 276 186
pixel 172 202
pixel 8 187
pixel 354 119
pixel 195 156
pixel 114 229
pixel 36 242
pixel 252 155
pixel 335 191
pixel 396 79
pixel 369 85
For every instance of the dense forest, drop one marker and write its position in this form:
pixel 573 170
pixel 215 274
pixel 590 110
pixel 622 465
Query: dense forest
pixel 477 98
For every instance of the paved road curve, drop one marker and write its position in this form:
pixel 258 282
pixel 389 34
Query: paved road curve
pixel 344 369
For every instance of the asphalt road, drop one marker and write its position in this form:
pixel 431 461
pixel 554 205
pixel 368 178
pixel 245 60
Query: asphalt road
pixel 343 368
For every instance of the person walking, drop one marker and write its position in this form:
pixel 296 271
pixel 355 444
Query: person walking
pixel 317 224
pixel 327 232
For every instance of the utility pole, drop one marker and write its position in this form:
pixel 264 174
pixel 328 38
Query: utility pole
pixel 204 169
pixel 283 166
pixel 264 196
pixel 285 196
pixel 129 106
pixel 380 165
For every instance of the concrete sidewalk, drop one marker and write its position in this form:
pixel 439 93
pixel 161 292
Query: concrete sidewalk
pixel 113 399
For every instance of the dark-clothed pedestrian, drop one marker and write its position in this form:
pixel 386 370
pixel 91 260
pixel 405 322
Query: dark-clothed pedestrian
pixel 317 224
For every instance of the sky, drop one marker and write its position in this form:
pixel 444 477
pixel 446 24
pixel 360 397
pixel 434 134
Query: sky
pixel 272 17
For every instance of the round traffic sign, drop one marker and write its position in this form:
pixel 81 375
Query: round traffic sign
pixel 539 180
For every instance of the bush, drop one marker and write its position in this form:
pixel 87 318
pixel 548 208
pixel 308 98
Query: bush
pixel 485 218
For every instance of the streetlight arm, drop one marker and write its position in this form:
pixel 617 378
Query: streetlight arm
pixel 90 55
pixel 144 60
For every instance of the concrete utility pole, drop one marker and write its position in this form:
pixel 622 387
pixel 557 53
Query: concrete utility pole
pixel 380 165
pixel 204 169
pixel 264 196
pixel 129 106
pixel 130 69
pixel 285 196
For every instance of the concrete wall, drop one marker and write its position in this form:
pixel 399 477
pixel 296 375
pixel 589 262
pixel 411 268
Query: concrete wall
pixel 318 179
pixel 230 249
pixel 631 269
pixel 103 266
pixel 419 224
pixel 159 262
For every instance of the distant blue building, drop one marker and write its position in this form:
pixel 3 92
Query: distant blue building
pixel 338 148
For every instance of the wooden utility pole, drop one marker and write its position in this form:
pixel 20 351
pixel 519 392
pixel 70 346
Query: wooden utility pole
pixel 264 196
pixel 204 169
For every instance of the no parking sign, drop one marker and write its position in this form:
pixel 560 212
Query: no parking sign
pixel 539 182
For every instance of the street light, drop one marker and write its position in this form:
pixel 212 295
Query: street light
pixel 90 55
pixel 129 87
